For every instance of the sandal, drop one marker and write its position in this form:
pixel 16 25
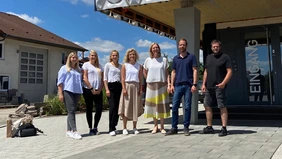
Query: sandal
pixel 163 131
pixel 155 130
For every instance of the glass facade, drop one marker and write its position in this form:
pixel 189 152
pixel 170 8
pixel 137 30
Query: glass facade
pixel 256 54
pixel 259 66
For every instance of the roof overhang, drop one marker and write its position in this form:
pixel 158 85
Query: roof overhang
pixel 44 43
pixel 2 35
pixel 159 18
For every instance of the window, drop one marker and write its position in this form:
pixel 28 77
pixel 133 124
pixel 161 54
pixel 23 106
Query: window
pixel 1 49
pixel 31 69
pixel 64 58
pixel 4 82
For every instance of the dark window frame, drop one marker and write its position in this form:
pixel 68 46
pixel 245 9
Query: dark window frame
pixel 1 50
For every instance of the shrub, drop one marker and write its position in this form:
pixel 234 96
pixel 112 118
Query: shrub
pixel 105 100
pixel 55 106
pixel 81 104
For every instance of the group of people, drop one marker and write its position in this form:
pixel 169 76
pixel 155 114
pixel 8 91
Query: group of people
pixel 123 85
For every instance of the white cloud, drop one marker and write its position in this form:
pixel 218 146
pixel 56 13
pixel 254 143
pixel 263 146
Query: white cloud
pixel 84 16
pixel 88 2
pixel 143 43
pixel 143 56
pixel 100 45
pixel 103 59
pixel 74 2
pixel 167 45
pixel 147 43
pixel 28 18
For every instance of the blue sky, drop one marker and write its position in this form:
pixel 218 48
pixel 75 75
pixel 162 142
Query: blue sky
pixel 77 21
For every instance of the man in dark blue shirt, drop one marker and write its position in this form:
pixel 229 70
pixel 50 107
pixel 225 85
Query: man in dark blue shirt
pixel 218 72
pixel 184 83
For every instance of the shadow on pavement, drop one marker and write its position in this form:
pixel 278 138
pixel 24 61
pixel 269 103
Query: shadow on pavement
pixel 119 132
pixel 230 132
pixel 231 122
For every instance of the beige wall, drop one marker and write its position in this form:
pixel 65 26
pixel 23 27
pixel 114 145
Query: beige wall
pixel 10 64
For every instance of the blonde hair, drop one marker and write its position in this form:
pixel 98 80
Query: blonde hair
pixel 112 54
pixel 96 62
pixel 150 50
pixel 126 56
pixel 68 63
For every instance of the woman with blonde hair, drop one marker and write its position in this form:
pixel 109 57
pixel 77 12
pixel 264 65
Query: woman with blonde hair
pixel 69 90
pixel 113 89
pixel 92 90
pixel 158 85
pixel 130 107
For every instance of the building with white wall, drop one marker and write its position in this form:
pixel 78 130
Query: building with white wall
pixel 30 57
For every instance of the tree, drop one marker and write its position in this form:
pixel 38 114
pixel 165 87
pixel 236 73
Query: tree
pixel 201 71
pixel 169 63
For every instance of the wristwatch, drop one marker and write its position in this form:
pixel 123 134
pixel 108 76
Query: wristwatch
pixel 194 85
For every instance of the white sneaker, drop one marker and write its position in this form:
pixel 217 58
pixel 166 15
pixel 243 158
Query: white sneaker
pixel 76 136
pixel 125 132
pixel 69 134
pixel 112 133
pixel 135 131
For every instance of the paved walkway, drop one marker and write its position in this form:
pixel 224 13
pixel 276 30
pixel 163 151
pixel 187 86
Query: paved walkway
pixel 246 140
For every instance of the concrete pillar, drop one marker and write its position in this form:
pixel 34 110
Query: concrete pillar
pixel 187 25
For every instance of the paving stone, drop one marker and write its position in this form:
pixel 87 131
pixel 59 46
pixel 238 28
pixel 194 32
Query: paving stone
pixel 210 156
pixel 243 142
pixel 236 156
pixel 263 154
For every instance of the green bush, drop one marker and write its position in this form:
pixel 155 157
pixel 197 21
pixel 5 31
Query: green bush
pixel 105 100
pixel 81 104
pixel 55 106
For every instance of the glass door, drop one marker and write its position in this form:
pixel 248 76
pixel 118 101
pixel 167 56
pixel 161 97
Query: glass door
pixel 259 66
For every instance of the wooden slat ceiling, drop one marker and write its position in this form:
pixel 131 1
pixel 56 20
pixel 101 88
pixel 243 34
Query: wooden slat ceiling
pixel 214 11
pixel 226 13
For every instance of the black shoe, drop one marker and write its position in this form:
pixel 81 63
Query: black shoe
pixel 186 132
pixel 223 132
pixel 91 132
pixel 171 132
pixel 207 130
pixel 94 132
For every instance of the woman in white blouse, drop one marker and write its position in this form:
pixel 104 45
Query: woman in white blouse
pixel 113 89
pixel 130 107
pixel 158 86
pixel 92 90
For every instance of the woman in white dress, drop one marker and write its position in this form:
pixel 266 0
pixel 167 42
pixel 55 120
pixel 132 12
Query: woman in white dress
pixel 158 85
pixel 130 107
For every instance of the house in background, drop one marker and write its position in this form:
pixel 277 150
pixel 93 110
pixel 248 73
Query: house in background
pixel 30 57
